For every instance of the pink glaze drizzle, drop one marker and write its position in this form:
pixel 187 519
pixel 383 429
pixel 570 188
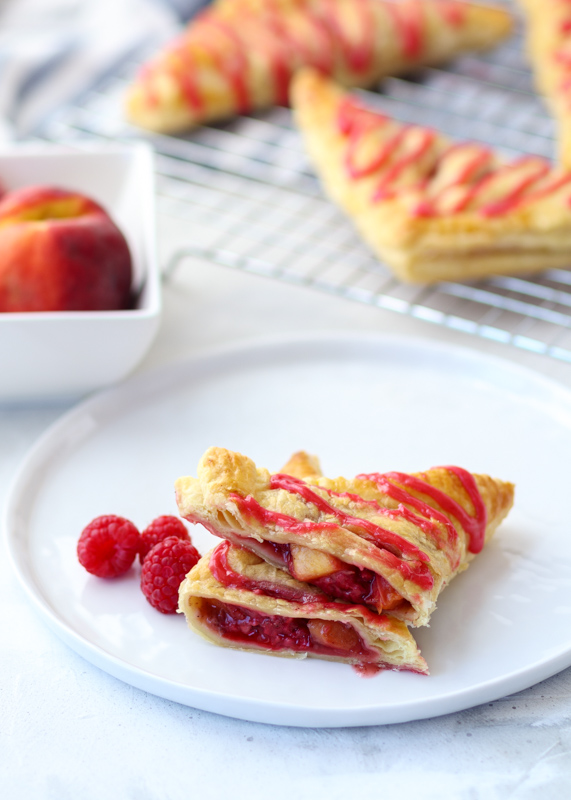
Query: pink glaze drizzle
pixel 385 538
pixel 183 66
pixel 481 160
pixel 284 49
pixel 475 526
pixel 428 526
pixel 392 546
pixel 234 64
pixel 512 199
pixel 408 21
pixel 426 140
pixel 524 176
pixel 359 55
pixel 355 121
pixel 453 13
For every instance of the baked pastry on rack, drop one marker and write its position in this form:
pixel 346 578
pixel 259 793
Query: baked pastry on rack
pixel 390 541
pixel 239 55
pixel 235 599
pixel 432 209
pixel 548 35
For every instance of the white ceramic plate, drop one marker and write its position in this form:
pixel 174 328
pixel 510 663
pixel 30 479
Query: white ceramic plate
pixel 363 404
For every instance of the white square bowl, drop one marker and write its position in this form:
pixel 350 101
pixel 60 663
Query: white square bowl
pixel 52 355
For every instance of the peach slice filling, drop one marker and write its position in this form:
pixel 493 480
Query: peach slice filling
pixel 239 624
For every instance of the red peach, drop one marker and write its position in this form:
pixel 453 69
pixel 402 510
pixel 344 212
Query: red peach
pixel 60 251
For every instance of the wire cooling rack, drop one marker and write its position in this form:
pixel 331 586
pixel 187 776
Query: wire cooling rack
pixel 248 198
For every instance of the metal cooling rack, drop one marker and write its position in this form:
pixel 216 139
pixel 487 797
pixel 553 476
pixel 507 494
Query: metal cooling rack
pixel 249 200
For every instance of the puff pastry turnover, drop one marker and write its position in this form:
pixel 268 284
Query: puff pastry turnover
pixel 235 599
pixel 429 208
pixel 548 35
pixel 239 55
pixel 390 541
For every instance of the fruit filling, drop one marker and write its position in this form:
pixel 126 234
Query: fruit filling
pixel 227 576
pixel 323 637
pixel 339 580
pixel 362 586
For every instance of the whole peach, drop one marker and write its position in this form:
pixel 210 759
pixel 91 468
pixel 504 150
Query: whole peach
pixel 60 251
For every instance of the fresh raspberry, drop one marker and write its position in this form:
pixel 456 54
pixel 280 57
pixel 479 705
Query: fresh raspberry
pixel 108 546
pixel 159 529
pixel 164 570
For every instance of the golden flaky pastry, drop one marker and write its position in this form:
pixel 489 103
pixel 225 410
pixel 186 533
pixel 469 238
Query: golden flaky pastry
pixel 239 55
pixel 235 599
pixel 432 209
pixel 388 541
pixel 548 36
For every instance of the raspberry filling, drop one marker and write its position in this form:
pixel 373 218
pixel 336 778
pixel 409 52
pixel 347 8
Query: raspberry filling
pixel 361 586
pixel 322 637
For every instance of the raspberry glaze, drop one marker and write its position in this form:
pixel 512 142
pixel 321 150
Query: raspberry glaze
pixel 511 186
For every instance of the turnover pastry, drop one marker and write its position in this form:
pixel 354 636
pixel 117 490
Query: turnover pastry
pixel 430 208
pixel 548 34
pixel 235 599
pixel 389 541
pixel 239 55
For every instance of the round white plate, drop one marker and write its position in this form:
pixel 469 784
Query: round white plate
pixel 363 404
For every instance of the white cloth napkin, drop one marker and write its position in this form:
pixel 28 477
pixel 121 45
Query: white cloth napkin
pixel 52 49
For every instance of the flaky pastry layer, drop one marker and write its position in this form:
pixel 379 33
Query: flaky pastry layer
pixel 548 38
pixel 239 55
pixel 391 541
pixel 430 208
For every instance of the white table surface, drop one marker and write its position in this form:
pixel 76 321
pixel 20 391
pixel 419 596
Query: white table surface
pixel 69 730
